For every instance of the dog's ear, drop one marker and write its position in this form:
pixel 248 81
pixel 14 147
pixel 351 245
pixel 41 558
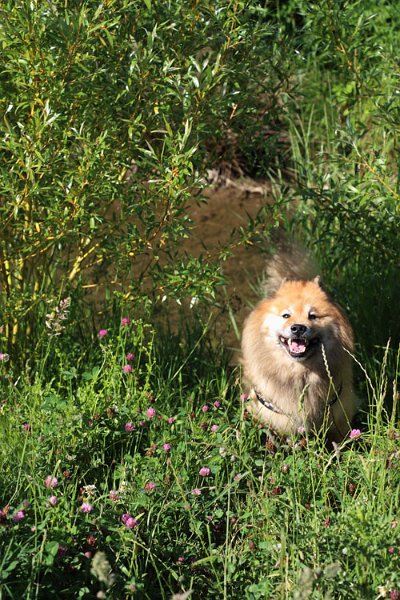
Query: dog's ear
pixel 321 285
pixel 317 280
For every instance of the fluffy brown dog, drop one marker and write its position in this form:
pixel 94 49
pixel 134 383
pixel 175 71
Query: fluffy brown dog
pixel 294 357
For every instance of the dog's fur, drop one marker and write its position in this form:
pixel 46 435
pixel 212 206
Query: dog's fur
pixel 295 353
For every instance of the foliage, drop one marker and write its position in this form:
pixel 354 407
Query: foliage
pixel 107 108
pixel 343 123
pixel 133 470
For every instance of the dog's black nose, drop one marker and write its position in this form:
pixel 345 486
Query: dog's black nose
pixel 298 329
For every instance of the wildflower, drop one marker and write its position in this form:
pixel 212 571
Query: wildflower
pixel 214 428
pixel 217 404
pixel 301 430
pixel 391 550
pixel 19 516
pixel 26 426
pixel 4 357
pixel 204 471
pixel 54 320
pixel 151 412
pixel 86 507
pixel 51 482
pixel 129 427
pixel 91 540
pixel 125 321
pixel 53 501
pixel 113 494
pixel 244 397
pixel 129 521
pixel 112 411
pixel 171 420
pixel 167 447
pixel 130 357
pixel 123 486
pixel 127 369
pixel 89 490
pixel 151 450
pixel 88 554
pixel 102 333
pixel 196 492
pixel 204 408
pixel 150 486
pixel 354 433
pixel 101 569
pixel 238 477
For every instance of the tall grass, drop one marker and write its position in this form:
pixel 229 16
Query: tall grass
pixel 145 483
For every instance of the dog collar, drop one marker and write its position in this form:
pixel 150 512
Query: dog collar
pixel 267 403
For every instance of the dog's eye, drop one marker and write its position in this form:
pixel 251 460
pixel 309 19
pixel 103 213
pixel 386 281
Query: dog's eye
pixel 286 315
pixel 312 316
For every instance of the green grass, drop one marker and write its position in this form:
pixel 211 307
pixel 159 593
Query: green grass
pixel 270 520
pixel 310 94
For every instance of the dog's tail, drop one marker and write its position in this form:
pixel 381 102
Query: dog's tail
pixel 291 261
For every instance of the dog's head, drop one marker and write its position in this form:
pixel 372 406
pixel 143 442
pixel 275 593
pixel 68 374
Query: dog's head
pixel 300 317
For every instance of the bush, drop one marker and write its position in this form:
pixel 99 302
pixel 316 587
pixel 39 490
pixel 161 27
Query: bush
pixel 107 108
pixel 343 123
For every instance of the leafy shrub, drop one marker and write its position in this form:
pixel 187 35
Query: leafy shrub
pixel 107 107
pixel 343 124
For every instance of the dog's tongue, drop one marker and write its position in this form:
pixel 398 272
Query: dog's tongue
pixel 297 346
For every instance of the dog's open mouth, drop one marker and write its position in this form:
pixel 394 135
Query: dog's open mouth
pixel 298 347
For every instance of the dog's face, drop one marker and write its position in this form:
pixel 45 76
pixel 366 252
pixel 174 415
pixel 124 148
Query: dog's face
pixel 300 318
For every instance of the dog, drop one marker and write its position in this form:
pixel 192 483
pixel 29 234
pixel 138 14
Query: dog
pixel 296 354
